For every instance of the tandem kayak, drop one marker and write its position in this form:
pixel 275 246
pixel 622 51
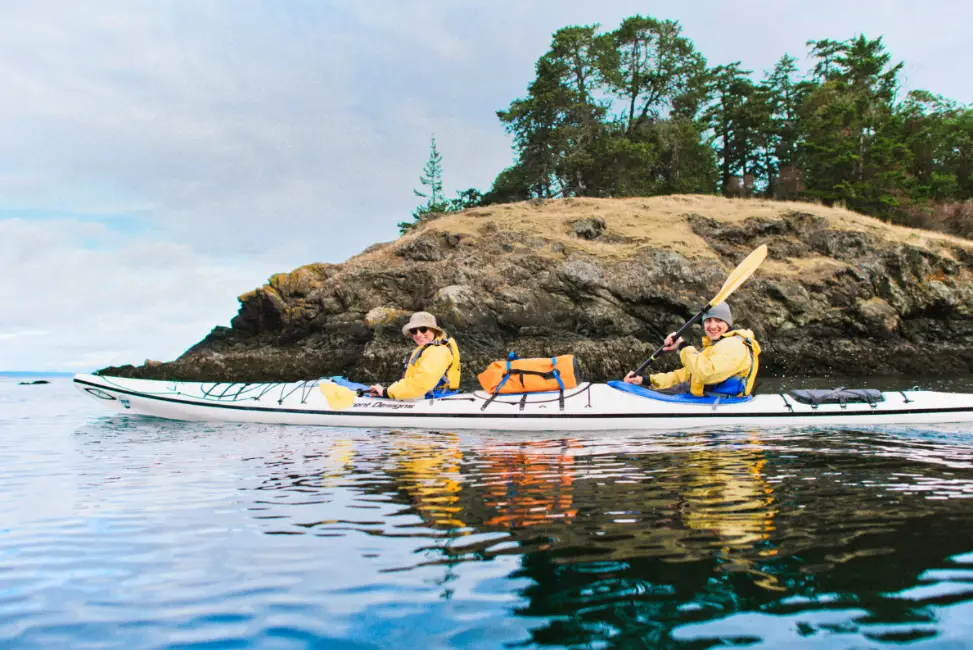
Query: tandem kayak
pixel 588 407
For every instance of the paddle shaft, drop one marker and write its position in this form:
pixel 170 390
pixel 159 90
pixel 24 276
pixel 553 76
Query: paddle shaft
pixel 680 332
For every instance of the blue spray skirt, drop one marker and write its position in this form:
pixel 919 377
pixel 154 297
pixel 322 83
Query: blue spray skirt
pixel 681 398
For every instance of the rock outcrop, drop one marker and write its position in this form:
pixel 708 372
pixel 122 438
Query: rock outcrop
pixel 607 279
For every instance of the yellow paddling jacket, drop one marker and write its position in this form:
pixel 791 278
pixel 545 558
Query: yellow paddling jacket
pixel 430 366
pixel 736 354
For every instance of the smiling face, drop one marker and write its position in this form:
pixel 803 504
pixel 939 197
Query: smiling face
pixel 715 329
pixel 423 335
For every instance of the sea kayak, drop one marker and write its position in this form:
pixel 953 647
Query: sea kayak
pixel 588 407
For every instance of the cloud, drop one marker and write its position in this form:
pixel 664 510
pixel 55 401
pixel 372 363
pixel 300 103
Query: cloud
pixel 21 334
pixel 227 142
pixel 80 296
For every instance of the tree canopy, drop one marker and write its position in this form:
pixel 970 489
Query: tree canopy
pixel 638 111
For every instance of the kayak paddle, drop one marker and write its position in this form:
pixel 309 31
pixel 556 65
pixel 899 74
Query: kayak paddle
pixel 339 398
pixel 739 275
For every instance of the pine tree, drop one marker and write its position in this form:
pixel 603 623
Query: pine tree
pixel 432 179
pixel 610 115
pixel 853 150
pixel 559 120
pixel 729 120
pixel 786 95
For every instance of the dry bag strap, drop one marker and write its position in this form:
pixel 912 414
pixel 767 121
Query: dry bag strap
pixel 560 384
pixel 553 373
pixel 496 391
pixel 488 402
pixel 550 374
pixel 824 398
pixel 557 376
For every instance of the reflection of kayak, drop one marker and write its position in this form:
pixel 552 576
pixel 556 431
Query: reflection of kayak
pixel 589 407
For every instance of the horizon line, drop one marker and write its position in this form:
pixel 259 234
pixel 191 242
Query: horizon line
pixel 38 372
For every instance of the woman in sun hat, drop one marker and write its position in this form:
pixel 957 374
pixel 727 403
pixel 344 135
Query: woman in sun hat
pixel 433 366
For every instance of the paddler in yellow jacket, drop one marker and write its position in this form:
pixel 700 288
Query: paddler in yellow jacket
pixel 432 367
pixel 727 364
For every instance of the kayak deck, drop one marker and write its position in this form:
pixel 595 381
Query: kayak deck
pixel 589 407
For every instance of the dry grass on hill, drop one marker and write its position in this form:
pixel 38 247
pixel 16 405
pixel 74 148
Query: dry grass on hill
pixel 660 222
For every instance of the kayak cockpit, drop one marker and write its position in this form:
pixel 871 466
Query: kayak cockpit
pixel 680 398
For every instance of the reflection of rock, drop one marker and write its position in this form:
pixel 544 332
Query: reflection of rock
pixel 663 534
pixel 607 279
pixel 34 383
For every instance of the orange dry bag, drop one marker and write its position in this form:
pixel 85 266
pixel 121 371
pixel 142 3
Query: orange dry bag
pixel 515 375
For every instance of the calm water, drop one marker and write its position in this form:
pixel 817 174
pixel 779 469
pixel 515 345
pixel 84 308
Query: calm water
pixel 120 532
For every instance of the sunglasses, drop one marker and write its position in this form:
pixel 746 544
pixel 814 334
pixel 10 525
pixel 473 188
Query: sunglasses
pixel 420 330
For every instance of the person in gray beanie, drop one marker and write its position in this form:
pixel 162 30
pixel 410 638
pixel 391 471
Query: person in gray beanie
pixel 720 311
pixel 727 364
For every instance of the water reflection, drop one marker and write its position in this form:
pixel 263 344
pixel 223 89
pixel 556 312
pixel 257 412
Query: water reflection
pixel 727 494
pixel 525 484
pixel 645 540
pixel 427 469
pixel 131 532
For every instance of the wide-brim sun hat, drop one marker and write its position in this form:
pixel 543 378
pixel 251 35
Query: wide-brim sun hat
pixel 421 319
pixel 721 311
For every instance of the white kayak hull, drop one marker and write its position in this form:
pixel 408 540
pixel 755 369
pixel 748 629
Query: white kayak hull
pixel 590 407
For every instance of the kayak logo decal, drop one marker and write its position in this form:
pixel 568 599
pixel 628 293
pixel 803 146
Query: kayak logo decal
pixel 100 394
pixel 383 405
pixel 125 403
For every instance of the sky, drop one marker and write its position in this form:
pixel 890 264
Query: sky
pixel 160 158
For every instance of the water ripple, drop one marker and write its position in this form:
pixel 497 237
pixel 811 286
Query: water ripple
pixel 122 532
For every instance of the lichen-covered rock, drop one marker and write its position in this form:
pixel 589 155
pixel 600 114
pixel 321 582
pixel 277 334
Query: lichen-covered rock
pixel 590 228
pixel 879 318
pixel 840 294
pixel 421 249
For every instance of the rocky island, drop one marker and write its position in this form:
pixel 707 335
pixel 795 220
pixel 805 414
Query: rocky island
pixel 607 279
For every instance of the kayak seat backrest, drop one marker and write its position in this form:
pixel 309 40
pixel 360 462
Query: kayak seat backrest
pixel 815 396
pixel 728 388
pixel 680 398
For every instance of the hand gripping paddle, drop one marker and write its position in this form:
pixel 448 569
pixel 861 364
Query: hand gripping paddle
pixel 739 275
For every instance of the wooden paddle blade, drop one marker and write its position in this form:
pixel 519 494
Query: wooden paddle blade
pixel 740 274
pixel 339 398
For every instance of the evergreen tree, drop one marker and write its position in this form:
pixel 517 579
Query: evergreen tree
pixel 853 149
pixel 570 143
pixel 939 135
pixel 649 66
pixel 636 112
pixel 559 118
pixel 728 118
pixel 785 95
pixel 432 179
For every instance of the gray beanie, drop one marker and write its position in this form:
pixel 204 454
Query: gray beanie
pixel 721 311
